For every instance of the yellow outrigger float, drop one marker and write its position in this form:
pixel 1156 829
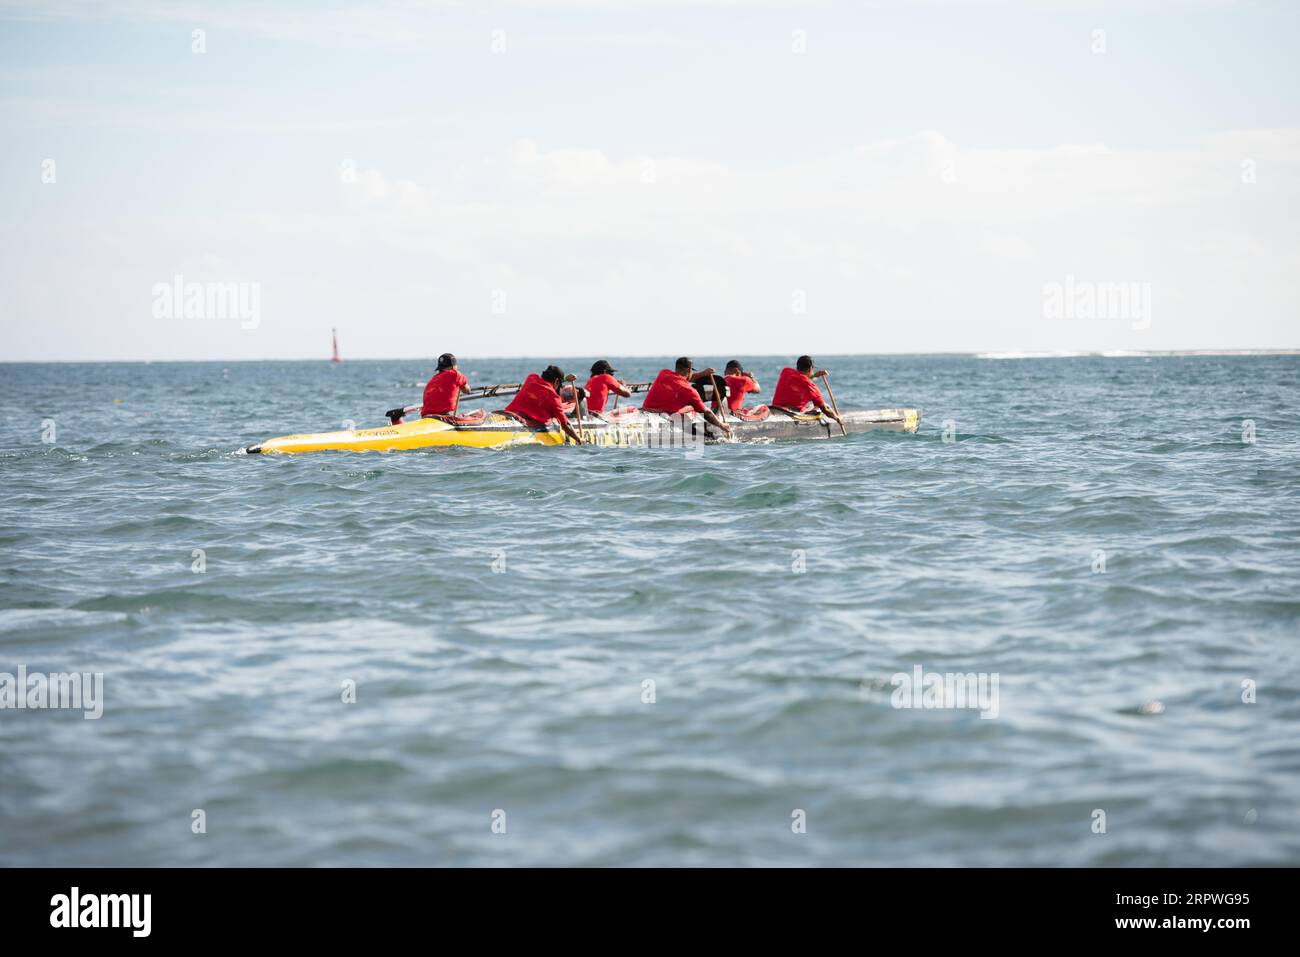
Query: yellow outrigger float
pixel 628 427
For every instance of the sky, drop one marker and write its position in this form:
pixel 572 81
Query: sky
pixel 559 177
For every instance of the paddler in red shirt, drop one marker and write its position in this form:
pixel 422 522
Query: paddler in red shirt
pixel 739 382
pixel 538 401
pixel 795 389
pixel 672 391
pixel 444 390
pixel 601 384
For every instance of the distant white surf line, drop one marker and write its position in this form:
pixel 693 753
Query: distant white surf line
pixel 1137 354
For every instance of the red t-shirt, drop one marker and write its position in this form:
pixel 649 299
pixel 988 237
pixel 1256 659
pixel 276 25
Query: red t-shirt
pixel 598 388
pixel 443 393
pixel 671 393
pixel 537 401
pixel 737 386
pixel 794 390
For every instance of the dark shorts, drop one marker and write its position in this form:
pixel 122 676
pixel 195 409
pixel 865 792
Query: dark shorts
pixel 719 384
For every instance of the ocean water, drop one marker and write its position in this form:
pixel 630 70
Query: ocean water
pixel 632 657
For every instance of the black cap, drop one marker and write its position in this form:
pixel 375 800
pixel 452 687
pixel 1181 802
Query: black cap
pixel 446 361
pixel 553 374
pixel 735 364
pixel 602 367
pixel 684 363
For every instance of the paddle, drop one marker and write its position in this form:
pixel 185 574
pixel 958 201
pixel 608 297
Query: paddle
pixel 485 392
pixel 577 407
pixel 479 392
pixel 831 392
pixel 489 391
pixel 635 388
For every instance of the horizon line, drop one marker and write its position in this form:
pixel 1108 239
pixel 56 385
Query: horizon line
pixel 991 354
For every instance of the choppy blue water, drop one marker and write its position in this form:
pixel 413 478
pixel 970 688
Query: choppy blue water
pixel 524 690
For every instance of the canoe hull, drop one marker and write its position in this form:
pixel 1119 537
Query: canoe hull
pixel 636 430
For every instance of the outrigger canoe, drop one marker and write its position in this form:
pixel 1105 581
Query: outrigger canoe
pixel 627 427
